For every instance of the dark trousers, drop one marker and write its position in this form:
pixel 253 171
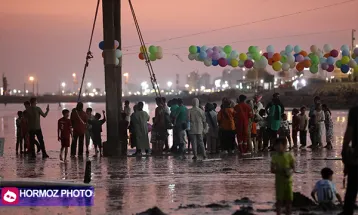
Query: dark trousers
pixel 19 143
pixel 303 138
pixel 351 191
pixel 80 138
pixel 40 138
pixel 227 140
pixel 188 137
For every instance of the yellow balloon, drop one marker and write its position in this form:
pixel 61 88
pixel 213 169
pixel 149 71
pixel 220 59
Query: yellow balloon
pixel 277 66
pixel 142 49
pixel 345 60
pixel 234 63
pixel 243 56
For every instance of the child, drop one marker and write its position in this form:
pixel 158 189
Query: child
pixel 295 126
pixel 262 137
pixel 320 119
pixel 64 132
pixel 312 127
pixel 329 126
pixel 285 129
pixel 153 139
pixel 96 132
pixel 303 125
pixel 19 138
pixel 283 165
pixel 325 190
pixel 88 133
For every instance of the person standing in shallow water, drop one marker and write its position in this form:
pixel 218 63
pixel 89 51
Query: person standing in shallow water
pixel 329 126
pixel 79 123
pixel 350 161
pixel 139 126
pixel 227 126
pixel 33 114
pixel 198 125
pixel 243 113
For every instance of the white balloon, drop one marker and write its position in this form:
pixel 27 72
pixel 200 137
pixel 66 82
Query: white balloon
pixel 159 55
pixel 159 49
pixel 208 62
pixel 117 61
pixel 263 62
pixel 285 66
pixel 290 59
pixel 293 65
pixel 327 48
pixel 118 53
pixel 192 56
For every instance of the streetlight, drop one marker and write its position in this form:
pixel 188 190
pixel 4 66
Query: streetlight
pixel 63 84
pixel 170 84
pixel 89 84
pixel 32 80
pixel 186 86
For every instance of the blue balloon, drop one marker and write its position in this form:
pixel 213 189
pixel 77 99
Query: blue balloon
pixel 297 49
pixel 345 47
pixel 203 55
pixel 228 61
pixel 295 55
pixel 345 52
pixel 344 68
pixel 330 60
pixel 323 60
pixel 270 48
pixel 101 45
pixel 198 49
pixel 203 48
pixel 215 62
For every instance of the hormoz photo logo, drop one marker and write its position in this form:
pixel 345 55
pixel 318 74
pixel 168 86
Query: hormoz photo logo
pixel 60 196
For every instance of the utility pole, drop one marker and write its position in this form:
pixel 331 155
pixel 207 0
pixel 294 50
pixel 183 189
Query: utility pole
pixel 111 79
pixel 353 39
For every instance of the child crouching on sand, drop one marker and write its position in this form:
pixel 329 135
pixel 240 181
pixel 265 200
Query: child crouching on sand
pixel 283 165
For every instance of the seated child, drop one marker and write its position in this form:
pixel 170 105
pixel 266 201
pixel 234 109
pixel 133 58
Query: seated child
pixel 282 165
pixel 325 190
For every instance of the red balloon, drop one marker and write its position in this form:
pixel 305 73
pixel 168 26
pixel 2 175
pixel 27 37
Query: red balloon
pixel 141 56
pixel 249 64
pixel 265 55
pixel 334 53
pixel 222 62
pixel 330 68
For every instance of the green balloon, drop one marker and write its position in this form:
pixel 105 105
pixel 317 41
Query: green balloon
pixel 227 49
pixel 153 49
pixel 310 55
pixel 283 59
pixel 152 57
pixel 256 56
pixel 252 49
pixel 314 69
pixel 314 59
pixel 338 63
pixel 193 49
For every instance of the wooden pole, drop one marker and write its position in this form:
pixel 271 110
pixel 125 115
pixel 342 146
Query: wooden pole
pixel 122 149
pixel 110 79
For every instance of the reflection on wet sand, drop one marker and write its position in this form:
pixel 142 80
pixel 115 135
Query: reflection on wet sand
pixel 131 185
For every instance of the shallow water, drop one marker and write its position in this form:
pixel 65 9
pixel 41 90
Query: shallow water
pixel 132 185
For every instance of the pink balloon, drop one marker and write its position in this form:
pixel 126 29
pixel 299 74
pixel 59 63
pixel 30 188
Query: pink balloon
pixel 216 49
pixel 222 62
pixel 325 66
pixel 300 58
pixel 249 64
pixel 209 52
pixel 330 68
pixel 216 56
pixel 334 53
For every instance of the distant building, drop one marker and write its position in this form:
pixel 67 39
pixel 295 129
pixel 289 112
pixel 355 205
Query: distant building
pixel 193 80
pixel 233 77
pixel 204 80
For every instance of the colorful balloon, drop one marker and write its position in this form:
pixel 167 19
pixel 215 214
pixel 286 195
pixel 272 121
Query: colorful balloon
pixel 344 47
pixel 314 48
pixel 234 54
pixel 203 55
pixel 270 61
pixel 345 68
pixel 192 49
pixel 208 62
pixel 116 44
pixel 159 49
pixel 277 66
pixel 289 49
pixel 270 48
pixel 297 49
pixel 324 66
pixel 299 58
pixel 241 63
pixel 101 45
pixel 203 48
pixel 216 56
pixel 256 56
pixel 285 66
pixel 330 68
pixel 345 60
pixel 152 57
pixel 159 55
pixel 142 49
pixel 352 64
pixel 300 67
pixel 198 49
pixel 323 60
pixel 327 55
pixel 117 61
pixel 270 54
pixel 249 64
pixel 276 57
pixel 243 56
pixel 192 56
pixel 334 53
pixel 355 51
pixel 314 59
pixel 303 53
pixel 118 53
pixel 290 59
pixel 222 62
pixel 216 49
pixel 327 48
pixel 307 63
pixel 234 63
pixel 153 50
pixel 209 53
pixel 263 62
pixel 345 53
pixel 330 60
pixel 227 49
pixel 338 63
pixel 141 56
pixel 265 55
pixel 314 69
pixel 215 62
pixel 283 59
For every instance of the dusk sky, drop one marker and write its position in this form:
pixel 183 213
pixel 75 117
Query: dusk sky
pixel 49 39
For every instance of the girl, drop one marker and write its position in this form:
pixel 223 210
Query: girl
pixel 329 126
pixel 320 119
pixel 227 126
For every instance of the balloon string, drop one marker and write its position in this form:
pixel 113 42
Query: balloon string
pixel 89 55
pixel 147 60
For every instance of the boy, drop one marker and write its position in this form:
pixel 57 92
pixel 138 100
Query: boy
pixel 295 126
pixel 262 137
pixel 19 137
pixel 325 190
pixel 123 129
pixel 285 129
pixel 88 134
pixel 303 126
pixel 282 165
pixel 96 132
pixel 64 132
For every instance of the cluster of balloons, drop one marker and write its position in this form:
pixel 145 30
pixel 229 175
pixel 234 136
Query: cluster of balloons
pixel 155 52
pixel 118 52
pixel 222 56
pixel 347 60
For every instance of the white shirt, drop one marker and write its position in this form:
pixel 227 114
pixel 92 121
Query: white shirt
pixel 326 191
pixel 320 118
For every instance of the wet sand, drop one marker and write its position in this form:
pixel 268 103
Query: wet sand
pixel 132 185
